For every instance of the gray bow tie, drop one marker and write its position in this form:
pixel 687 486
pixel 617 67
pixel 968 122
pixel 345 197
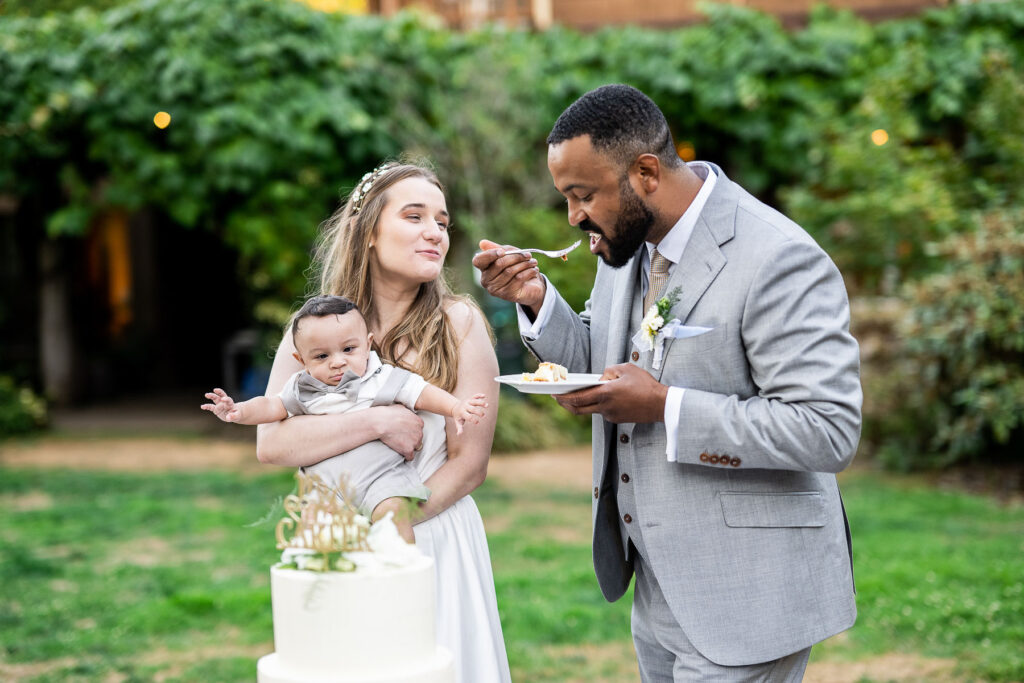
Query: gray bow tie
pixel 309 387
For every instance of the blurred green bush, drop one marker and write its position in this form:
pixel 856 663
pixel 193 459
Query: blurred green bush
pixel 933 135
pixel 536 422
pixel 881 139
pixel 276 109
pixel 958 395
pixel 21 410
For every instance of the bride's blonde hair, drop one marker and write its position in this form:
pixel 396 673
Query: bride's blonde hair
pixel 341 264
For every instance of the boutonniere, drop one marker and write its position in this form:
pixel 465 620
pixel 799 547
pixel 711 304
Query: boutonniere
pixel 655 328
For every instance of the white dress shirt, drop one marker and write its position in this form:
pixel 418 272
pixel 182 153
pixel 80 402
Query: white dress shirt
pixel 671 247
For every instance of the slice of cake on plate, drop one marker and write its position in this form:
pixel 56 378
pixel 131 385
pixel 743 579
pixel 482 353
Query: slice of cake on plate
pixel 547 372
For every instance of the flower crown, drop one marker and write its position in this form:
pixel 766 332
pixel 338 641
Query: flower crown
pixel 366 183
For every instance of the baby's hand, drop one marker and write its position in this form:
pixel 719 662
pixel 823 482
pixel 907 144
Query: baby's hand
pixel 470 410
pixel 223 406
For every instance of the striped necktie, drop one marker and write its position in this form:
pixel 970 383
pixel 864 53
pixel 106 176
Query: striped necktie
pixel 658 278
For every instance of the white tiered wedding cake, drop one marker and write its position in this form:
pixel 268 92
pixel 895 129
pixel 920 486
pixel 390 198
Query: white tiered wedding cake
pixel 373 623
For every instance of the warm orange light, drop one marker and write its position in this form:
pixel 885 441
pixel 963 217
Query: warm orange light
pixel 162 119
pixel 879 137
pixel 341 6
pixel 686 151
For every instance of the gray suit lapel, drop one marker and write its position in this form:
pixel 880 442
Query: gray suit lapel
pixel 619 332
pixel 702 258
pixel 702 261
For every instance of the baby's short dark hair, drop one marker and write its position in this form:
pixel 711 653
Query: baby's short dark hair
pixel 320 306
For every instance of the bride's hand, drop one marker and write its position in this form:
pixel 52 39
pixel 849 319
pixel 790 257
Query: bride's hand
pixel 400 429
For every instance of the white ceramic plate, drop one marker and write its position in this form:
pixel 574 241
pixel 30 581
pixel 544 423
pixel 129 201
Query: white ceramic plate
pixel 576 380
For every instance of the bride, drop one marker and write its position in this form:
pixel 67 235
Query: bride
pixel 385 250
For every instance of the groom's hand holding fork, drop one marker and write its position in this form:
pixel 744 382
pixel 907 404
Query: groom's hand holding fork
pixel 512 277
pixel 632 395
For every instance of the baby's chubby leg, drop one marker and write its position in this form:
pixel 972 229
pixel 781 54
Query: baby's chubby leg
pixel 401 516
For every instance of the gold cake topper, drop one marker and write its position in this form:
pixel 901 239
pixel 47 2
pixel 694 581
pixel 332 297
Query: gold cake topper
pixel 321 519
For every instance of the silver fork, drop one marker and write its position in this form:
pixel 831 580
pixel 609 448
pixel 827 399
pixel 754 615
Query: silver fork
pixel 546 252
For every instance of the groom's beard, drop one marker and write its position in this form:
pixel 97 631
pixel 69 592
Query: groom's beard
pixel 631 227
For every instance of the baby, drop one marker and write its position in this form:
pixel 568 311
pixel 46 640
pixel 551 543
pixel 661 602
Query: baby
pixel 341 373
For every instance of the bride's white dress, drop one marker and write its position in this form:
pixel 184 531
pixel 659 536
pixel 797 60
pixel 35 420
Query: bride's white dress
pixel 467 608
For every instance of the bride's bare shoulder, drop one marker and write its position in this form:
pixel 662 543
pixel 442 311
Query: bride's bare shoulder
pixel 466 317
pixel 475 341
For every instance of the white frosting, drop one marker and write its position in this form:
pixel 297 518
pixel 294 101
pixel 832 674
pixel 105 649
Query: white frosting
pixel 375 624
pixel 440 669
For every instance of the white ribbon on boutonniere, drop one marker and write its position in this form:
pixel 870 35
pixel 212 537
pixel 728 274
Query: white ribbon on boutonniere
pixel 654 330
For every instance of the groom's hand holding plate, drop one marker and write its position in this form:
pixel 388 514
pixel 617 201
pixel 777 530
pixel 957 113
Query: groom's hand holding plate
pixel 630 394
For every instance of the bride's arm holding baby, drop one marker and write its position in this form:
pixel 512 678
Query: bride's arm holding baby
pixel 469 452
pixel 308 439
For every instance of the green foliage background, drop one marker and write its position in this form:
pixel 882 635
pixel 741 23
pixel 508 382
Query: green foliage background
pixel 277 109
pixel 21 411
pixel 961 382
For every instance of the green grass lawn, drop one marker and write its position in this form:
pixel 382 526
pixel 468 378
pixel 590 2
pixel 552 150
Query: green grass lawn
pixel 938 572
pixel 131 576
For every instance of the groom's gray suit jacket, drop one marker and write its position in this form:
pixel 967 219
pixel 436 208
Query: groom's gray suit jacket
pixel 746 533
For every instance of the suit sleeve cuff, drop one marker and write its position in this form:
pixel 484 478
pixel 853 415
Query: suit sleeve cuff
pixel 673 402
pixel 530 330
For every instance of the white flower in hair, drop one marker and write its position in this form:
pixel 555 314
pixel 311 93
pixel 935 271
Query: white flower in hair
pixel 366 183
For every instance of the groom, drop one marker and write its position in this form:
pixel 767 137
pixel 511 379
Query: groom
pixel 715 450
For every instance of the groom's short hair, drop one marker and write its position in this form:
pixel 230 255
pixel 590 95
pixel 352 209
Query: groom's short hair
pixel 621 121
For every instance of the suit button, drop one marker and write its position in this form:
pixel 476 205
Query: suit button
pixel 634 356
pixel 625 478
pixel 735 462
pixel 704 457
pixel 624 438
pixel 595 492
pixel 713 458
pixel 627 518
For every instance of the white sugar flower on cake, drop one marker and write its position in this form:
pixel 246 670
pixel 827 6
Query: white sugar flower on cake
pixel 387 547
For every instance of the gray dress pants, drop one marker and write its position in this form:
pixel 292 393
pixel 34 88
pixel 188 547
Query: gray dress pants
pixel 666 655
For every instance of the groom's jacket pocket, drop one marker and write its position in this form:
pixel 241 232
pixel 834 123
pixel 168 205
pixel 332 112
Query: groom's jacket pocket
pixel 718 335
pixel 790 509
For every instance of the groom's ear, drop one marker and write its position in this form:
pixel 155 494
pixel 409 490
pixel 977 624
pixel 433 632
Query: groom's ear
pixel 647 170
